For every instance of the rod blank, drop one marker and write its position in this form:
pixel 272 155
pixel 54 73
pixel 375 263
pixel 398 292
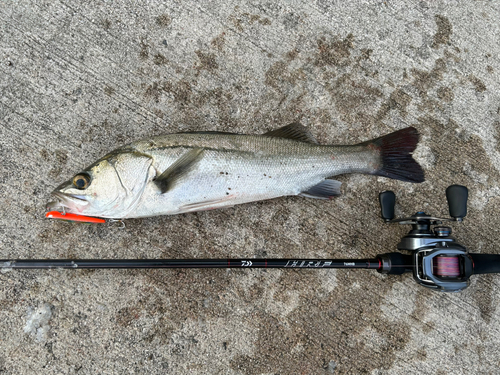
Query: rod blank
pixel 188 263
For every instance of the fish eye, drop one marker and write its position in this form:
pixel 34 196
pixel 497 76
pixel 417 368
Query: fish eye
pixel 81 181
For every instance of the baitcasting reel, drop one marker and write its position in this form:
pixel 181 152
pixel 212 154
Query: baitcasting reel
pixel 437 261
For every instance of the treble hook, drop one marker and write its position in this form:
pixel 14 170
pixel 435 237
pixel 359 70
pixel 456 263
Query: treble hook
pixel 117 221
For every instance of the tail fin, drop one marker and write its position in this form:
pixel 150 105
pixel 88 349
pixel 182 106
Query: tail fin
pixel 395 151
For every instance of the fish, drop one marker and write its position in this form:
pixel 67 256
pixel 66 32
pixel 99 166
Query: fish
pixel 195 171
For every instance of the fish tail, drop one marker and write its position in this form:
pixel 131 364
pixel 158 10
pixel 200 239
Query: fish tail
pixel 396 155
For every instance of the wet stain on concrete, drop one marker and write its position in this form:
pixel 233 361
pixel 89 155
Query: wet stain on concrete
pixel 181 91
pixel 426 80
pixel 280 77
pixel 163 20
pixel 44 154
pixel 109 90
pixel 338 331
pixel 291 20
pixel 106 24
pixel 183 95
pixel 237 22
pixel 446 94
pixel 447 140
pixel 398 100
pixel 292 55
pixel 154 91
pixel 219 41
pixel 252 18
pixel 443 33
pixel 61 158
pixel 159 59
pixel 484 297
pixel 127 315
pixel 334 52
pixel 207 61
pixel 245 19
pixel 144 53
pixel 479 86
pixel 342 72
pixel 355 99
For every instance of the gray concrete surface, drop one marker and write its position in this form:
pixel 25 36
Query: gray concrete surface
pixel 80 78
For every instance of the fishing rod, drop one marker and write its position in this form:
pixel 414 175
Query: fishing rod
pixel 437 261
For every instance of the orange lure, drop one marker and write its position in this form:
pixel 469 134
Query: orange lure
pixel 73 217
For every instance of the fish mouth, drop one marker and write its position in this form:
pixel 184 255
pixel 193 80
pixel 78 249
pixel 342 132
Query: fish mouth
pixel 66 202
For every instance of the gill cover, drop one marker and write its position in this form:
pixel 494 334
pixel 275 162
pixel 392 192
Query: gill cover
pixel 115 187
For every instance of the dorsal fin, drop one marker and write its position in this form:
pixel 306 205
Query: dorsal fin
pixel 177 170
pixel 295 131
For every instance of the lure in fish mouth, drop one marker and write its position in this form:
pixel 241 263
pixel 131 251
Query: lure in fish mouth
pixel 188 172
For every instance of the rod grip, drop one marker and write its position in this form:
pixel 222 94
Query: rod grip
pixel 486 263
pixel 457 196
pixel 394 263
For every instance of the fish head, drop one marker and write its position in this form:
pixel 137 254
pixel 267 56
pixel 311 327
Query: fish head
pixel 108 188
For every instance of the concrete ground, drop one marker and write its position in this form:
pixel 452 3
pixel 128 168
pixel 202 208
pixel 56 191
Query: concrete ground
pixel 81 78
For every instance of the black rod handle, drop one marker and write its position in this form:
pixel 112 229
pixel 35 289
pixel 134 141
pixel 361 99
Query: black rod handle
pixel 387 201
pixel 457 201
pixel 486 263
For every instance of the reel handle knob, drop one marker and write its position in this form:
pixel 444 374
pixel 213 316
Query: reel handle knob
pixel 457 201
pixel 387 201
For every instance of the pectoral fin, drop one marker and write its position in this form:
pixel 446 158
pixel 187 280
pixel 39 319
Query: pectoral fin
pixel 179 169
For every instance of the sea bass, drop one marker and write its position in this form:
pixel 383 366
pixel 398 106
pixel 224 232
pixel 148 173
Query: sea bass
pixel 186 172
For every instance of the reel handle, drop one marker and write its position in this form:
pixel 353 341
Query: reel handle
pixel 457 201
pixel 387 201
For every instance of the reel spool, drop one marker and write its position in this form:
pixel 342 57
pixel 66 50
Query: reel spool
pixel 444 266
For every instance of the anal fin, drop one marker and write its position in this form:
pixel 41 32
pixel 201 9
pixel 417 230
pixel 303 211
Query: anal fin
pixel 326 189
